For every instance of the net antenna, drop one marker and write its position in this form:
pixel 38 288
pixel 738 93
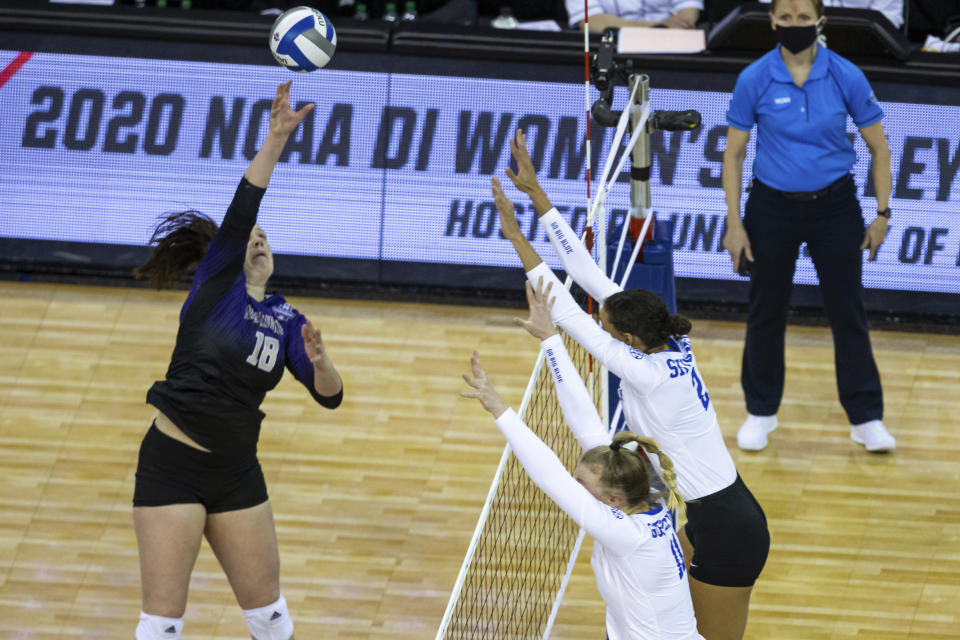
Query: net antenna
pixel 524 548
pixel 609 71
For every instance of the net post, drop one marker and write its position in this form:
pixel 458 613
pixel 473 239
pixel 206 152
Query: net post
pixel 640 202
pixel 641 159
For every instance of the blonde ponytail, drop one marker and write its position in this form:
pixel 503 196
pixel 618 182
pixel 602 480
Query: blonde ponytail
pixel 675 501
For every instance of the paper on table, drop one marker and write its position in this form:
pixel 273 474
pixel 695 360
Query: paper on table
pixel 651 40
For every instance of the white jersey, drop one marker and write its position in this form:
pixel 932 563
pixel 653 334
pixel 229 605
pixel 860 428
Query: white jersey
pixel 662 394
pixel 636 558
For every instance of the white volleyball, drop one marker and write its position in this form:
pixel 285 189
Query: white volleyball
pixel 303 39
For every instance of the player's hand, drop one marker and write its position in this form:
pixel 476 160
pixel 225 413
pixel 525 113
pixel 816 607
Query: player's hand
pixel 737 243
pixel 525 178
pixel 483 390
pixel 539 324
pixel 313 344
pixel 875 235
pixel 508 219
pixel 283 119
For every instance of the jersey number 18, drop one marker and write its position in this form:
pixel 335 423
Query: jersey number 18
pixel 264 355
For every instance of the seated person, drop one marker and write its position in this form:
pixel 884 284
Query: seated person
pixel 676 14
pixel 892 9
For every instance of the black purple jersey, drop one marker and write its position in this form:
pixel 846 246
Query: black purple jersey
pixel 231 349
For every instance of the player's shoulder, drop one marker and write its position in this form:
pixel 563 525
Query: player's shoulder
pixel 656 523
pixel 648 362
pixel 635 353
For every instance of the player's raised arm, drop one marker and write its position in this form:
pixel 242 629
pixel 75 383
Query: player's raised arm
pixel 511 228
pixel 283 121
pixel 565 312
pixel 575 401
pixel 547 471
pixel 231 240
pixel 613 353
pixel 576 260
pixel 525 177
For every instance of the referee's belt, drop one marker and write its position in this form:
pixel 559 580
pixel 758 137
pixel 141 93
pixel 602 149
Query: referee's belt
pixel 807 196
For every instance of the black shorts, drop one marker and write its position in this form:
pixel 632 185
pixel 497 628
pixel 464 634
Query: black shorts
pixel 729 534
pixel 171 472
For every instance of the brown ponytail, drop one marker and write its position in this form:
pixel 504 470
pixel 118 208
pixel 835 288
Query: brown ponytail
pixel 180 239
pixel 630 471
pixel 675 501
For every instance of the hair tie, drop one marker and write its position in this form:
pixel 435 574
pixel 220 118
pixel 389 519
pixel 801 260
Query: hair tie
pixel 615 446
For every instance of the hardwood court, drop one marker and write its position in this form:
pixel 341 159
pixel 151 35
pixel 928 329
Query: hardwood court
pixel 375 502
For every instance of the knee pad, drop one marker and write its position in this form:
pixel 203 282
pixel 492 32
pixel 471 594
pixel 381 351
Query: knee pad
pixel 271 622
pixel 158 627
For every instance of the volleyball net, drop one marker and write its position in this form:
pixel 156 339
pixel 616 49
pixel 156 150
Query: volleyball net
pixel 524 547
pixel 516 566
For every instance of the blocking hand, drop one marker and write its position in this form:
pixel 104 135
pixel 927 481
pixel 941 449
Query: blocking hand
pixel 508 219
pixel 525 178
pixel 539 324
pixel 483 390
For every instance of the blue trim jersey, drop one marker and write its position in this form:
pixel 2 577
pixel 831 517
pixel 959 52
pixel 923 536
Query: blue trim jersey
pixel 637 559
pixel 663 394
pixel 802 142
pixel 231 349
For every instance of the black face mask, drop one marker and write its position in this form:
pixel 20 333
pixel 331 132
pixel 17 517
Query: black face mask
pixel 796 39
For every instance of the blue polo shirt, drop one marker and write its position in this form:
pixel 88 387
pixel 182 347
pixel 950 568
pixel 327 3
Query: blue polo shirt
pixel 801 131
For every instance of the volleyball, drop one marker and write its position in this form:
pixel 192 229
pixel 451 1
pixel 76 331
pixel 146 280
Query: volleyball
pixel 303 39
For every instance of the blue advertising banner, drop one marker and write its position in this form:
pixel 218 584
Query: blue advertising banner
pixel 397 167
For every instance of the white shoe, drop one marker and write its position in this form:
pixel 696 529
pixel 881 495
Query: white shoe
pixel 874 436
pixel 752 435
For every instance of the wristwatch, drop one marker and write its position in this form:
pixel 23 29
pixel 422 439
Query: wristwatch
pixel 885 213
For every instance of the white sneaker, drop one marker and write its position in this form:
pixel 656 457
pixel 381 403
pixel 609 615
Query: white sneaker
pixel 752 435
pixel 874 436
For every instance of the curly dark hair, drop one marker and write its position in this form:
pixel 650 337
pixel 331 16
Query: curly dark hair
pixel 180 240
pixel 644 314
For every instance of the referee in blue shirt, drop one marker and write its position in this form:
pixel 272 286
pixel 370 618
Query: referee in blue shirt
pixel 799 96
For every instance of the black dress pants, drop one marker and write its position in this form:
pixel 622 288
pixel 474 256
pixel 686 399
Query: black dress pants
pixel 833 228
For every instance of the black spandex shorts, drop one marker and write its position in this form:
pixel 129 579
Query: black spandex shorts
pixel 171 472
pixel 728 531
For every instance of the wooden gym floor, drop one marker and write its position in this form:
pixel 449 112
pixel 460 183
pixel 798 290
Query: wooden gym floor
pixel 376 501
